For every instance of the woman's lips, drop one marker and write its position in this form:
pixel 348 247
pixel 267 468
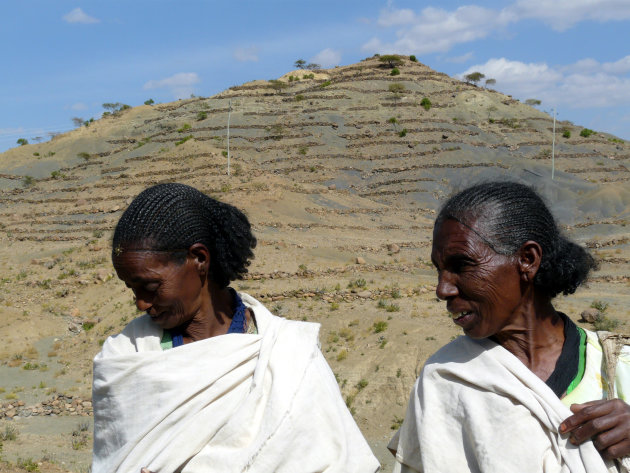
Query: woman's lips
pixel 462 318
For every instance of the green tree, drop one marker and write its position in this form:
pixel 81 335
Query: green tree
pixel 490 82
pixel 474 77
pixel 392 60
pixel 22 141
pixel 313 66
pixel 532 102
pixel 300 64
pixel 149 102
pixel 78 121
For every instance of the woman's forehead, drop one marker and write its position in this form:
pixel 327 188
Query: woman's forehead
pixel 451 236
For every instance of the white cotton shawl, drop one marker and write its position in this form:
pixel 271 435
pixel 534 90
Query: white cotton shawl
pixel 476 407
pixel 257 403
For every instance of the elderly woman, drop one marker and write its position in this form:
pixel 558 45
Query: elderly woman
pixel 207 379
pixel 523 390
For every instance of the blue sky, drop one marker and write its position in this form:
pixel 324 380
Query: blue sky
pixel 64 59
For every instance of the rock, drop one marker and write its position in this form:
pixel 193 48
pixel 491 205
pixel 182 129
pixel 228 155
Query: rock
pixel 10 414
pixel 103 275
pixel 590 315
pixel 75 312
pixel 115 208
pixel 393 248
pixel 365 294
pixel 360 260
pixel 332 187
pixel 444 137
pixel 86 404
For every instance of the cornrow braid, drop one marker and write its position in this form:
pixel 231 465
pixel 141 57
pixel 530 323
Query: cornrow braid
pixel 171 217
pixel 506 215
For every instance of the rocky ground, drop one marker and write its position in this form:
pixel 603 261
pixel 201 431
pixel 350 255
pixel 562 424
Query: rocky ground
pixel 341 178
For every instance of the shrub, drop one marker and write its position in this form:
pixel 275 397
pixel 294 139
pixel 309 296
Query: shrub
pixel 183 140
pixel 606 324
pixel 308 76
pixel 224 153
pixel 391 60
pixel 396 88
pixel 357 283
pixel 532 102
pixel 403 133
pixel 362 384
pixel 87 326
pixel 397 422
pixel 313 66
pixel 334 306
pixel 202 116
pixel 392 308
pixel 302 150
pixel 342 355
pixel 185 127
pixel 392 120
pixel 325 84
pixel 379 326
pixel 474 77
pixel 28 181
pixel 10 433
pixel 599 305
pixel 27 464
pixel 395 72
pixel 566 133
pixel 412 58
pixel 83 155
pixel 299 97
pixel 149 102
pixel 586 132
pixel 425 103
pixel 278 85
pixel 22 141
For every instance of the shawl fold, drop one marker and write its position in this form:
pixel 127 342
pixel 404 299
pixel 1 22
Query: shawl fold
pixel 255 403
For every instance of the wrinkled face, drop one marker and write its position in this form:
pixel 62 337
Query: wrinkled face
pixel 166 290
pixel 481 288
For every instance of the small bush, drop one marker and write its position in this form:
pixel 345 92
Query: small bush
pixel 28 181
pixel 56 175
pixel 392 308
pixel 395 72
pixel 392 120
pixel 87 326
pixel 334 306
pixel 355 283
pixel 149 102
pixel 362 384
pixel 402 133
pixel 397 422
pixel 83 155
pixel 396 88
pixel 308 76
pixel 27 464
pixel 185 127
pixel 302 150
pixel 299 97
pixel 202 116
pixel 224 153
pixel 278 85
pixel 10 433
pixel 606 324
pixel 599 305
pixel 379 326
pixel 22 141
pixel 183 140
pixel 566 134
pixel 325 84
pixel 425 103
pixel 413 58
pixel 586 132
pixel 342 355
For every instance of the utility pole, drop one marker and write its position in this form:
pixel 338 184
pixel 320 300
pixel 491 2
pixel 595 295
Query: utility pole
pixel 228 134
pixel 553 146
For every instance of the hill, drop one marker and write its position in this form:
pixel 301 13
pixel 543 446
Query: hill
pixel 341 174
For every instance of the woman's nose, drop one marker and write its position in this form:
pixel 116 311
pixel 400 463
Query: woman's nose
pixel 143 302
pixel 446 287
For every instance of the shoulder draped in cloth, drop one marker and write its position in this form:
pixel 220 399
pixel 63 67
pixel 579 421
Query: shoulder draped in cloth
pixel 256 403
pixel 478 408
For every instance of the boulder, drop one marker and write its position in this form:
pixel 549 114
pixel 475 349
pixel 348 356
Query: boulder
pixel 590 315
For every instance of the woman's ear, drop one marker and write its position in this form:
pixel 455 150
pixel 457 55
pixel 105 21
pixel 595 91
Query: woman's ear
pixel 529 259
pixel 200 256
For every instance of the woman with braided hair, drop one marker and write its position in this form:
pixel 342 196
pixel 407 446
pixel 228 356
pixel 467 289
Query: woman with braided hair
pixel 208 379
pixel 524 390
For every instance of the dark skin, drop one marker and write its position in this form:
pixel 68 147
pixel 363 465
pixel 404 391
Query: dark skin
pixel 493 295
pixel 178 295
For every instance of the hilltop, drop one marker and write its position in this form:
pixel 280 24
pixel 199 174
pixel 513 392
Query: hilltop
pixel 341 174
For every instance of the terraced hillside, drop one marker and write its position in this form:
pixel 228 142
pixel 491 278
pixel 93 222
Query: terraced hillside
pixel 341 174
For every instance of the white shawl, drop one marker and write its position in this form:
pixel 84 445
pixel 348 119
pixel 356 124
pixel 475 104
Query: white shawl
pixel 476 407
pixel 256 403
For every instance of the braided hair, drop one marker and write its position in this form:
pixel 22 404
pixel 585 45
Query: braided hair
pixel 172 217
pixel 506 215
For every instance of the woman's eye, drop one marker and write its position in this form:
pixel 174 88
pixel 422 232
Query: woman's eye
pixel 151 287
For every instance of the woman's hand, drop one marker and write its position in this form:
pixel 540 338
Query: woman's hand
pixel 607 423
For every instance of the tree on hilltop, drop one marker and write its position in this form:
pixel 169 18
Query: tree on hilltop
pixel 300 64
pixel 532 102
pixel 474 77
pixel 392 60
pixel 490 82
pixel 77 121
pixel 313 66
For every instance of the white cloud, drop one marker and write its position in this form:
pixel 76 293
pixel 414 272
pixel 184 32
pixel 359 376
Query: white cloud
pixel 438 30
pixel 584 84
pixel 460 59
pixel 327 58
pixel 180 84
pixel 79 106
pixel 562 14
pixel 79 16
pixel 249 54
